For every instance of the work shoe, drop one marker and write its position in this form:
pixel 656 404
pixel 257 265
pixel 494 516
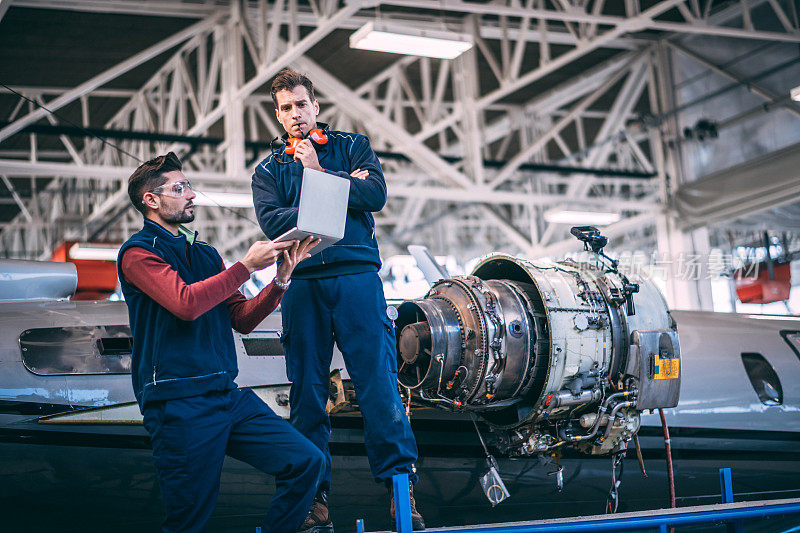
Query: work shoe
pixel 417 523
pixel 318 519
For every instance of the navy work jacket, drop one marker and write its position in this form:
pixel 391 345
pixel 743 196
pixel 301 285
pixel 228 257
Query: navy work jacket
pixel 174 358
pixel 276 195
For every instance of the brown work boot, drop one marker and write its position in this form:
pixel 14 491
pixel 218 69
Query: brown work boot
pixel 417 523
pixel 318 519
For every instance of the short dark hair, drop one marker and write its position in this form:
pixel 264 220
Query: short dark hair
pixel 150 175
pixel 286 80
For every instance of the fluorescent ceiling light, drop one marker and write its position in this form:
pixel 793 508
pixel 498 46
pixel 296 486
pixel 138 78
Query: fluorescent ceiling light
pixel 94 252
pixel 224 199
pixel 795 94
pixel 580 218
pixel 387 37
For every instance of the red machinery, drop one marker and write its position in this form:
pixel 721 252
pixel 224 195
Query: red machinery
pixel 755 286
pixel 765 282
pixel 97 277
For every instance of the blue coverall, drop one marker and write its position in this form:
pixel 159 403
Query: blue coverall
pixel 337 296
pixel 190 438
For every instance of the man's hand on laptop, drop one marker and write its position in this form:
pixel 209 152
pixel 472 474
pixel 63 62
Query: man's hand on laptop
pixel 294 255
pixel 360 174
pixel 264 253
pixel 307 154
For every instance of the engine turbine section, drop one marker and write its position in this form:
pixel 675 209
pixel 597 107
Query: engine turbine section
pixel 548 353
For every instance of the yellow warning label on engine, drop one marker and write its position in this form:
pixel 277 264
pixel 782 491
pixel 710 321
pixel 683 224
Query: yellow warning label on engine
pixel 666 368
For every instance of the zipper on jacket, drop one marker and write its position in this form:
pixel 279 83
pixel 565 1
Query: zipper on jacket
pixel 154 374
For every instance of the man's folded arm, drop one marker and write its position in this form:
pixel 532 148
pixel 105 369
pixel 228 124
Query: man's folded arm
pixel 161 282
pixel 368 194
pixel 274 218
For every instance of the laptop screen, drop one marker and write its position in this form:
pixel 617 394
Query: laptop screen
pixel 323 203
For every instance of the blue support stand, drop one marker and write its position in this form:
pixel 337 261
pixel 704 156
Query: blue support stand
pixel 360 525
pixel 402 503
pixel 726 487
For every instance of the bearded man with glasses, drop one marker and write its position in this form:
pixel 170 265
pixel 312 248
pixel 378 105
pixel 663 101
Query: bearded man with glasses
pixel 182 303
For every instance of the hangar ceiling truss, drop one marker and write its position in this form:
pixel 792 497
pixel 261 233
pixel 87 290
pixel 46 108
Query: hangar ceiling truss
pixel 560 104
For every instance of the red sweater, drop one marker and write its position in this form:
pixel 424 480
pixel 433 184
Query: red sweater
pixel 156 278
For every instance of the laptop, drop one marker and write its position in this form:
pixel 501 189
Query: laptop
pixel 323 209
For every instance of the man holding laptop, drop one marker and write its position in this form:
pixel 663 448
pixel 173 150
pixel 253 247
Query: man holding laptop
pixel 337 293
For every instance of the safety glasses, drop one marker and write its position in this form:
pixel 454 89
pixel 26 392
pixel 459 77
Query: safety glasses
pixel 175 190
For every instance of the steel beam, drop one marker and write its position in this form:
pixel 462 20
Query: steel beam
pixel 484 195
pixel 724 31
pixel 152 137
pixel 559 96
pixel 231 77
pixel 466 86
pixel 303 16
pixel 40 169
pixel 509 10
pixel 525 154
pixel 754 88
pixel 625 25
pixel 20 168
pixel 574 14
pixel 194 9
pixel 106 76
pixel 265 72
pixel 17 199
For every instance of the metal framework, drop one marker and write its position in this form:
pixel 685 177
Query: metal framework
pixel 469 127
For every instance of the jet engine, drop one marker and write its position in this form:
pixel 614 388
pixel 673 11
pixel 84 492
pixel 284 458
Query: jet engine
pixel 547 353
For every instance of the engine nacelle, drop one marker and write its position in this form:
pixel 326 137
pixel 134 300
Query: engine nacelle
pixel 548 353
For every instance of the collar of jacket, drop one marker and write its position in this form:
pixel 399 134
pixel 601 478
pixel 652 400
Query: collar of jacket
pixel 184 233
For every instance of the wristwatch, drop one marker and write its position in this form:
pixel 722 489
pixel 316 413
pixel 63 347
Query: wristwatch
pixel 282 285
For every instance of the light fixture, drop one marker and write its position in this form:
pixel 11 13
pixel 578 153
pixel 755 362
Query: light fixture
pixel 795 93
pixel 578 217
pixel 94 251
pixel 224 199
pixel 389 37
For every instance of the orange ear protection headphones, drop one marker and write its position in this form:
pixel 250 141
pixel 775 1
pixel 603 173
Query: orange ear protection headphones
pixel 317 135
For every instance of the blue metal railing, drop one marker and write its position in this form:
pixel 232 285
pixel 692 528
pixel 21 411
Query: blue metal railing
pixel 732 514
pixel 658 522
pixel 726 488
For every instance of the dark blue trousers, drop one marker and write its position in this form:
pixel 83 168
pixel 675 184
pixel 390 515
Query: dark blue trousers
pixel 191 437
pixel 351 311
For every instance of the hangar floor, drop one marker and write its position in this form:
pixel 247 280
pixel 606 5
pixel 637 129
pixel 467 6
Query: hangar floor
pixel 112 486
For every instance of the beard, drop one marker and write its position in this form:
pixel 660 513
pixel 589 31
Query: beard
pixel 178 217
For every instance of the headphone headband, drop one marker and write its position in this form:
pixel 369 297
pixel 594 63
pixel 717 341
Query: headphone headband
pixel 318 136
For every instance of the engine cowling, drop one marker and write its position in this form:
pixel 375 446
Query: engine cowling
pixel 548 353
